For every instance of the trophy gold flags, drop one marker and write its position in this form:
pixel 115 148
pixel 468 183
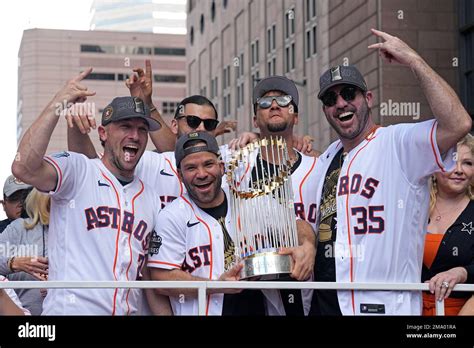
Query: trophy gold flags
pixel 262 206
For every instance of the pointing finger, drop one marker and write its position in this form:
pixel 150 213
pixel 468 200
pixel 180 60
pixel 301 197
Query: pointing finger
pixel 376 45
pixel 381 34
pixel 148 68
pixel 83 74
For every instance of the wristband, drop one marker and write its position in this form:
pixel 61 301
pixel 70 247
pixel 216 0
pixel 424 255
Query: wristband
pixel 10 263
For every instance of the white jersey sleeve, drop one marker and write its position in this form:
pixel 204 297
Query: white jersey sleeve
pixel 167 247
pixel 417 150
pixel 71 167
pixel 158 170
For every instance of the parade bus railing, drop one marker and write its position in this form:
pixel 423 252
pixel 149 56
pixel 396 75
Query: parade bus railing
pixel 203 286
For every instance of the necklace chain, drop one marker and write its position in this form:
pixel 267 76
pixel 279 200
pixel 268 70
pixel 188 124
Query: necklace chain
pixel 440 215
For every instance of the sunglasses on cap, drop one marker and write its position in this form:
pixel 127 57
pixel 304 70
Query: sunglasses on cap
pixel 194 122
pixel 282 101
pixel 347 93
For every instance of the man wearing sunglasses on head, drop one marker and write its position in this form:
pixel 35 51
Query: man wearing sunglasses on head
pixel 275 104
pixel 373 191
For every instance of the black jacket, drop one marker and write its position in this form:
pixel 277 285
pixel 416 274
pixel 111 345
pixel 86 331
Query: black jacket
pixel 456 250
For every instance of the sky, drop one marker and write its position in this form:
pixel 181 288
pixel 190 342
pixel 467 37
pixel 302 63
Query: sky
pixel 17 16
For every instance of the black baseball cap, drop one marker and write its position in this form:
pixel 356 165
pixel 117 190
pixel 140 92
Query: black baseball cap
pixel 340 75
pixel 276 83
pixel 181 151
pixel 122 108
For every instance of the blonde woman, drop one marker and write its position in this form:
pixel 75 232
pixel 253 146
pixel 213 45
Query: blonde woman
pixel 449 245
pixel 25 242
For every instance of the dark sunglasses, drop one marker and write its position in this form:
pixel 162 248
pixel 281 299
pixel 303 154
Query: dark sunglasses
pixel 348 93
pixel 194 122
pixel 266 102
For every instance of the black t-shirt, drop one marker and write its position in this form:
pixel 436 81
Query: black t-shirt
pixel 325 301
pixel 248 302
pixel 273 169
pixel 219 213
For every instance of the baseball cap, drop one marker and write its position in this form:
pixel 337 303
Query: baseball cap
pixel 275 83
pixel 13 185
pixel 341 74
pixel 181 151
pixel 122 108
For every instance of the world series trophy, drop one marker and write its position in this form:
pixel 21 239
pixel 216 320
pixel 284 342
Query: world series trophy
pixel 262 208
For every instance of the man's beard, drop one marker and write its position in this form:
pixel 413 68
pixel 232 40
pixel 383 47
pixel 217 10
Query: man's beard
pixel 277 127
pixel 364 112
pixel 196 197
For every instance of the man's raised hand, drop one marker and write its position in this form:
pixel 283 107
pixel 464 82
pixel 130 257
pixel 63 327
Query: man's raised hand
pixel 393 49
pixel 74 91
pixel 140 84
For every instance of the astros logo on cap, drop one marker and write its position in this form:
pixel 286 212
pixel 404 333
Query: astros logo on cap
pixel 108 113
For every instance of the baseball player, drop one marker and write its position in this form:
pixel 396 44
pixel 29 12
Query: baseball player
pixel 373 190
pixel 275 101
pixel 102 215
pixel 193 241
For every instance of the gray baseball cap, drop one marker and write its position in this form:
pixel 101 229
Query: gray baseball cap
pixel 276 83
pixel 122 108
pixel 13 185
pixel 339 75
pixel 181 151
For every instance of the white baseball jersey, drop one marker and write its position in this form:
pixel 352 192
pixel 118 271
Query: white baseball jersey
pixel 99 230
pixel 13 296
pixel 158 170
pixel 189 239
pixel 382 211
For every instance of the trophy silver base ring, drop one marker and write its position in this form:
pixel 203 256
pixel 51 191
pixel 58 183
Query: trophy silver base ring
pixel 266 266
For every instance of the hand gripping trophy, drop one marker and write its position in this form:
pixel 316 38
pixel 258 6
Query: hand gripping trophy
pixel 262 206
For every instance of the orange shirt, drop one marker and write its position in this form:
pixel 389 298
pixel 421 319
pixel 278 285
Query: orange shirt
pixel 432 242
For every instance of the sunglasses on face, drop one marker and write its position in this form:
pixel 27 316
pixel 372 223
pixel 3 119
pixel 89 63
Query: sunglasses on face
pixel 194 122
pixel 347 93
pixel 282 101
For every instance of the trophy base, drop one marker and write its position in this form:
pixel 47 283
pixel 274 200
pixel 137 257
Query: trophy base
pixel 266 266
